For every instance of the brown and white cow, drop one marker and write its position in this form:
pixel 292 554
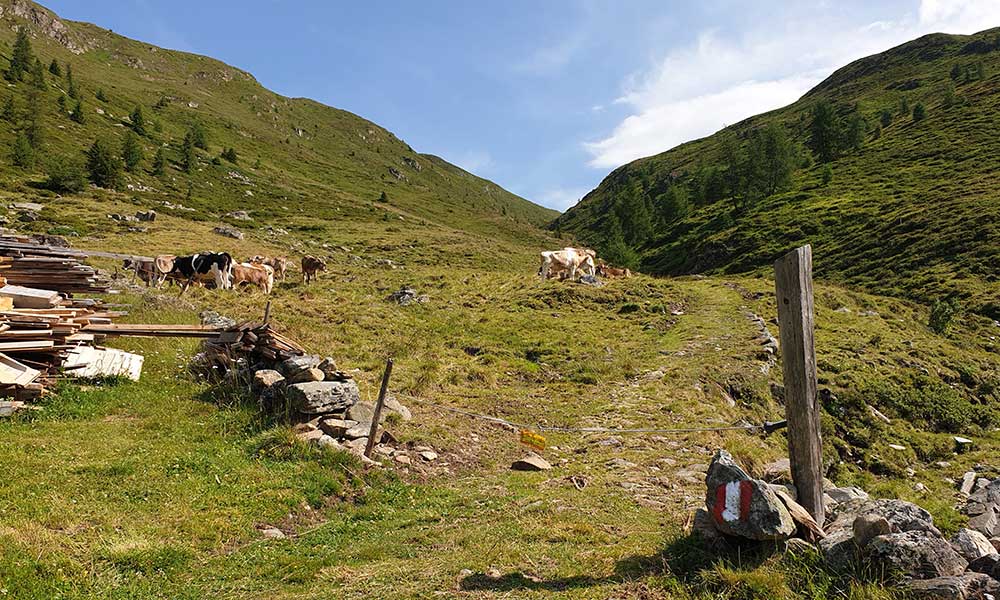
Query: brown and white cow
pixel 278 263
pixel 152 271
pixel 256 274
pixel 612 272
pixel 311 266
pixel 568 259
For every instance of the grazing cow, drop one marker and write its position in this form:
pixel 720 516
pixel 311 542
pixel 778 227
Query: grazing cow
pixel 278 263
pixel 214 267
pixel 152 272
pixel 612 272
pixel 311 266
pixel 567 259
pixel 256 274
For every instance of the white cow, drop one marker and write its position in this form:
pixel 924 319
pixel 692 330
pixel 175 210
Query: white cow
pixel 569 260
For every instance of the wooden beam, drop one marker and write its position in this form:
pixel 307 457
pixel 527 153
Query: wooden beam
pixel 378 409
pixel 793 285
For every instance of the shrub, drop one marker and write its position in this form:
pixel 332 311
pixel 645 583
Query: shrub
pixel 65 175
pixel 919 112
pixel 100 95
pixel 827 174
pixel 138 120
pixel 942 314
pixel 886 118
pixel 230 155
pixel 159 162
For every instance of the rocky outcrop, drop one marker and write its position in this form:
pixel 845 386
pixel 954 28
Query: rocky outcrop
pixel 46 23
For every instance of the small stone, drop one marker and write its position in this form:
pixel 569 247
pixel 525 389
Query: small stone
pixel 362 412
pixel 311 435
pixel 611 441
pixel 897 447
pixel 996 543
pixel 919 487
pixel 985 564
pixel 493 573
pixel 532 462
pixel 266 378
pixel 868 527
pixel 942 464
pixel 328 442
pixel 465 573
pixel 619 463
pixel 273 533
pixel 428 455
pixel 960 587
pixel 968 481
pixel 962 443
pixel 846 494
pixel 393 405
pixel 357 446
pixel 358 430
pixel 306 375
pixel 336 427
pixel 402 459
pixel 971 544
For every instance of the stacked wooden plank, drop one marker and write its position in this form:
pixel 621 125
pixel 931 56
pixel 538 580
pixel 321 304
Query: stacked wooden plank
pixel 35 343
pixel 25 262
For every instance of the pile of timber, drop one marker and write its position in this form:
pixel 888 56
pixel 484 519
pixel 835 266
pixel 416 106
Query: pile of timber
pixel 37 345
pixel 26 262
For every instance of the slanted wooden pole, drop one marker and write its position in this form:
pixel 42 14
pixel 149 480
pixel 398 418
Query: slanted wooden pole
pixel 793 285
pixel 378 408
pixel 267 313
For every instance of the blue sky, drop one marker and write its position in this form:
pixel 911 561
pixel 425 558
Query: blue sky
pixel 543 97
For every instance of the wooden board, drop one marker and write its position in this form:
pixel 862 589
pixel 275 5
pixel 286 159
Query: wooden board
pixel 13 372
pixel 25 297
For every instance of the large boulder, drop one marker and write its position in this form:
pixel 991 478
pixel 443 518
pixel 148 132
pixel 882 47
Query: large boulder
pixel 916 554
pixel 968 586
pixel 857 522
pixel 971 544
pixel 742 506
pixel 321 397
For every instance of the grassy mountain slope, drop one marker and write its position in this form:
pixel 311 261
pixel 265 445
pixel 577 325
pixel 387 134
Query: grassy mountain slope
pixel 161 488
pixel 913 212
pixel 300 162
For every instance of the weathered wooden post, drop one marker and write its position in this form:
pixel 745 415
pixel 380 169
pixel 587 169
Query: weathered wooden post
pixel 378 409
pixel 793 285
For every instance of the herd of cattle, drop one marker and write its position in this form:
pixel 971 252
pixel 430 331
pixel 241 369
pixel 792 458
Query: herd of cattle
pixel 218 269
pixel 566 263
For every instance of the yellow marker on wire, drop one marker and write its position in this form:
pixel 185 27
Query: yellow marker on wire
pixel 533 440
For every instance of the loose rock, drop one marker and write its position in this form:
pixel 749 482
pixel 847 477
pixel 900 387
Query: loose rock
pixel 319 397
pixel 918 554
pixel 971 544
pixel 531 462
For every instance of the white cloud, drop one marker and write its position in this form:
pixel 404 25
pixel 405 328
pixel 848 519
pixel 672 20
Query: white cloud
pixel 561 198
pixel 696 90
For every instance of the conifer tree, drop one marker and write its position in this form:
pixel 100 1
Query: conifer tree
pixel 21 58
pixel 132 154
pixel 919 112
pixel 159 162
pixel 54 68
pixel 138 120
pixel 824 132
pixel 38 75
pixel 188 157
pixel 103 165
pixel 77 114
pixel 22 154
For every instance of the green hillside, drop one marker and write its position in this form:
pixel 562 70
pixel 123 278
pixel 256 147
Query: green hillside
pixel 299 163
pixel 913 211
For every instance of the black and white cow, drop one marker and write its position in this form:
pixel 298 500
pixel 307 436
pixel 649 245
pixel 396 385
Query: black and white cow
pixel 209 266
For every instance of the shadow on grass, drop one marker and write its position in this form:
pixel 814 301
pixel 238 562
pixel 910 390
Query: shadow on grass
pixel 684 558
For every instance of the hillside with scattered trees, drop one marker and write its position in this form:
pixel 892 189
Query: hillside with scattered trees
pixel 887 167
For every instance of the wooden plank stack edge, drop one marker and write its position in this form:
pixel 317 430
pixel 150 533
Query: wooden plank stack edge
pixel 26 262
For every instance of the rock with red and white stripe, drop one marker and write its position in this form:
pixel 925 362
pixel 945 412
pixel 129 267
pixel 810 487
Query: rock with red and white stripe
pixel 743 506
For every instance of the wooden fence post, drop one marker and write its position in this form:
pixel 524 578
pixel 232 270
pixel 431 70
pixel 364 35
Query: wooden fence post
pixel 378 409
pixel 793 285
